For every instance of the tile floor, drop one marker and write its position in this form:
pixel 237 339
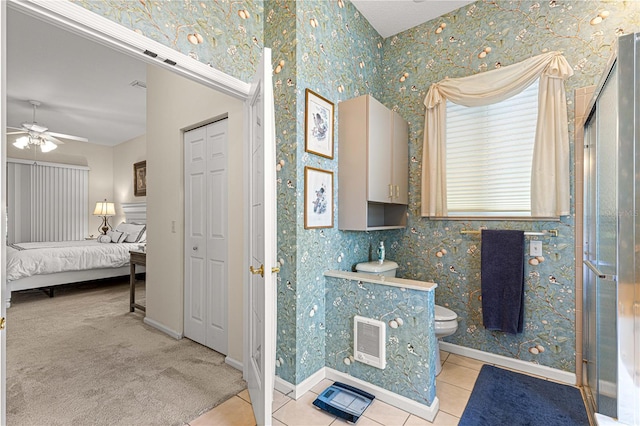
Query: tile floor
pixel 453 387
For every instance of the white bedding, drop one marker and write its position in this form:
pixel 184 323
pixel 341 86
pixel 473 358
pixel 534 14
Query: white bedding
pixel 63 256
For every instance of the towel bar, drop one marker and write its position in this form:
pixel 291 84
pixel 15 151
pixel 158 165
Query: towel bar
pixel 550 232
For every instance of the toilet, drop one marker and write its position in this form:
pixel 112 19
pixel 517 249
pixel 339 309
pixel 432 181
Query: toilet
pixel 446 320
pixel 446 325
pixel 387 268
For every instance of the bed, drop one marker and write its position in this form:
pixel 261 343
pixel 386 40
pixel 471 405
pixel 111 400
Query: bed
pixel 47 264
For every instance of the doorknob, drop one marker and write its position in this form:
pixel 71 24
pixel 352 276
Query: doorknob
pixel 275 270
pixel 260 270
pixel 2 323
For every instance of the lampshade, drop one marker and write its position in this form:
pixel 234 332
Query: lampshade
pixel 21 142
pixel 44 144
pixel 47 146
pixel 104 209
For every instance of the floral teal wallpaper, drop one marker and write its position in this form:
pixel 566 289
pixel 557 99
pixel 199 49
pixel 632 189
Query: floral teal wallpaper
pixel 280 32
pixel 480 37
pixel 338 55
pixel 410 369
pixel 327 46
pixel 227 35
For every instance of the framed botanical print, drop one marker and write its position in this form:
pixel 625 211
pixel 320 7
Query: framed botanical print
pixel 318 198
pixel 318 131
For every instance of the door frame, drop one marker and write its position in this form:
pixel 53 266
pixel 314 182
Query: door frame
pixel 89 25
pixel 71 17
pixel 3 208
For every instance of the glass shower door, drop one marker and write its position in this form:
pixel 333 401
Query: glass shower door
pixel 590 372
pixel 601 251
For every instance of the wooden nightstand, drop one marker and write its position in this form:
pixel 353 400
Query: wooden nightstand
pixel 135 258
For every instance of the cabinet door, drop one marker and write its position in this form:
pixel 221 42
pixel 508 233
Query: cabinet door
pixel 400 167
pixel 379 152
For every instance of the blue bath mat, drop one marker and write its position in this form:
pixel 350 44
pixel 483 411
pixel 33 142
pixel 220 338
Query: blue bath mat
pixel 502 397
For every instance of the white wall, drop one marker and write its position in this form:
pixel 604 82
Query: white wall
pixel 125 155
pixel 99 158
pixel 173 104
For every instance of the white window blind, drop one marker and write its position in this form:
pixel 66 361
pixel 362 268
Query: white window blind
pixel 489 154
pixel 46 201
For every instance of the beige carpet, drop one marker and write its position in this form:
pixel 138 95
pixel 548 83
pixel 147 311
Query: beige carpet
pixel 82 359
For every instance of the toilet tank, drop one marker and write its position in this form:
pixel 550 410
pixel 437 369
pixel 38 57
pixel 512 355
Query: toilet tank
pixel 387 268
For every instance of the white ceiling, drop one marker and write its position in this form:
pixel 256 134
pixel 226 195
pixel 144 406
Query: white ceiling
pixel 390 17
pixel 85 88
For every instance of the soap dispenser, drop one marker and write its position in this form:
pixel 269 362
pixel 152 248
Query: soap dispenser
pixel 381 253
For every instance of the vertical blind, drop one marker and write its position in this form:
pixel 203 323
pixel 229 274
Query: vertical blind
pixel 489 150
pixel 47 201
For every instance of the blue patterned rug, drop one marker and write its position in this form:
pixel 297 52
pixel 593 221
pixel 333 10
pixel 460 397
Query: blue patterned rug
pixel 502 397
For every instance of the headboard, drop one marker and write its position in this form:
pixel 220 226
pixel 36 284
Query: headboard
pixel 135 212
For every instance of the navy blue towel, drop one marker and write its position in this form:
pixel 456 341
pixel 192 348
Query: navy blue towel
pixel 502 278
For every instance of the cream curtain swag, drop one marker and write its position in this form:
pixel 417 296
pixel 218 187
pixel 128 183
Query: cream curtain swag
pixel 550 168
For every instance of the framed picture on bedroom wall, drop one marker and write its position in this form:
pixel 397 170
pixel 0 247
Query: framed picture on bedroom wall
pixel 318 198
pixel 140 179
pixel 318 131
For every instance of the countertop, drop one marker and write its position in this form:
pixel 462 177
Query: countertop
pixel 381 279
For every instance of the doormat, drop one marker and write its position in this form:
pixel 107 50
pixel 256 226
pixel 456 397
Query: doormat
pixel 503 397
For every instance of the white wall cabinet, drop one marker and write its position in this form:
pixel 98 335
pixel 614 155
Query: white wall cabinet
pixel 373 166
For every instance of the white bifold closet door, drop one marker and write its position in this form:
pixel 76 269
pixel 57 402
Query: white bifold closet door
pixel 206 239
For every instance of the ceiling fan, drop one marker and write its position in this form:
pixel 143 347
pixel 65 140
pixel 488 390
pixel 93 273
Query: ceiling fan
pixel 38 135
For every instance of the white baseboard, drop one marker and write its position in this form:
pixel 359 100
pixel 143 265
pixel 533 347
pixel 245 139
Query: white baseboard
pixel 602 420
pixel 296 391
pixel 163 328
pixel 427 412
pixel 516 364
pixel 234 363
pixel 283 386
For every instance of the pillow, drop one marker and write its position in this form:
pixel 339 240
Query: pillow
pixel 104 239
pixel 116 237
pixel 133 231
pixel 143 237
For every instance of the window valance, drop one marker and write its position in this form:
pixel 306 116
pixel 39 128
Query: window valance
pixel 550 168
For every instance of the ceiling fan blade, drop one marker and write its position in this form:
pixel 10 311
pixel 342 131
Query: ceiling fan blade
pixel 16 128
pixel 21 132
pixel 70 137
pixel 34 127
pixel 47 136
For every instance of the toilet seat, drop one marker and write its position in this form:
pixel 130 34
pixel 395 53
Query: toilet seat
pixel 444 314
pixel 446 324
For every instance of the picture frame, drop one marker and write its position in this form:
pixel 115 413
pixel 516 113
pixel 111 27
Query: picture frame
pixel 319 124
pixel 318 198
pixel 140 179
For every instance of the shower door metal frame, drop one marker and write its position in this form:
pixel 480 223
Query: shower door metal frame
pixel 628 227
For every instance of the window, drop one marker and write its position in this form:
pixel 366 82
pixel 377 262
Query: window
pixel 46 201
pixel 489 152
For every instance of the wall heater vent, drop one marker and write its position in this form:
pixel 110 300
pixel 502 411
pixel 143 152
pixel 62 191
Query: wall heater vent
pixel 369 342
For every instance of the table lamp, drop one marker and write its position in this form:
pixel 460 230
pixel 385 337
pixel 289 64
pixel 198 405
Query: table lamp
pixel 104 209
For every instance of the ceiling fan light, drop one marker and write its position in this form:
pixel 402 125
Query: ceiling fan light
pixel 21 142
pixel 48 146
